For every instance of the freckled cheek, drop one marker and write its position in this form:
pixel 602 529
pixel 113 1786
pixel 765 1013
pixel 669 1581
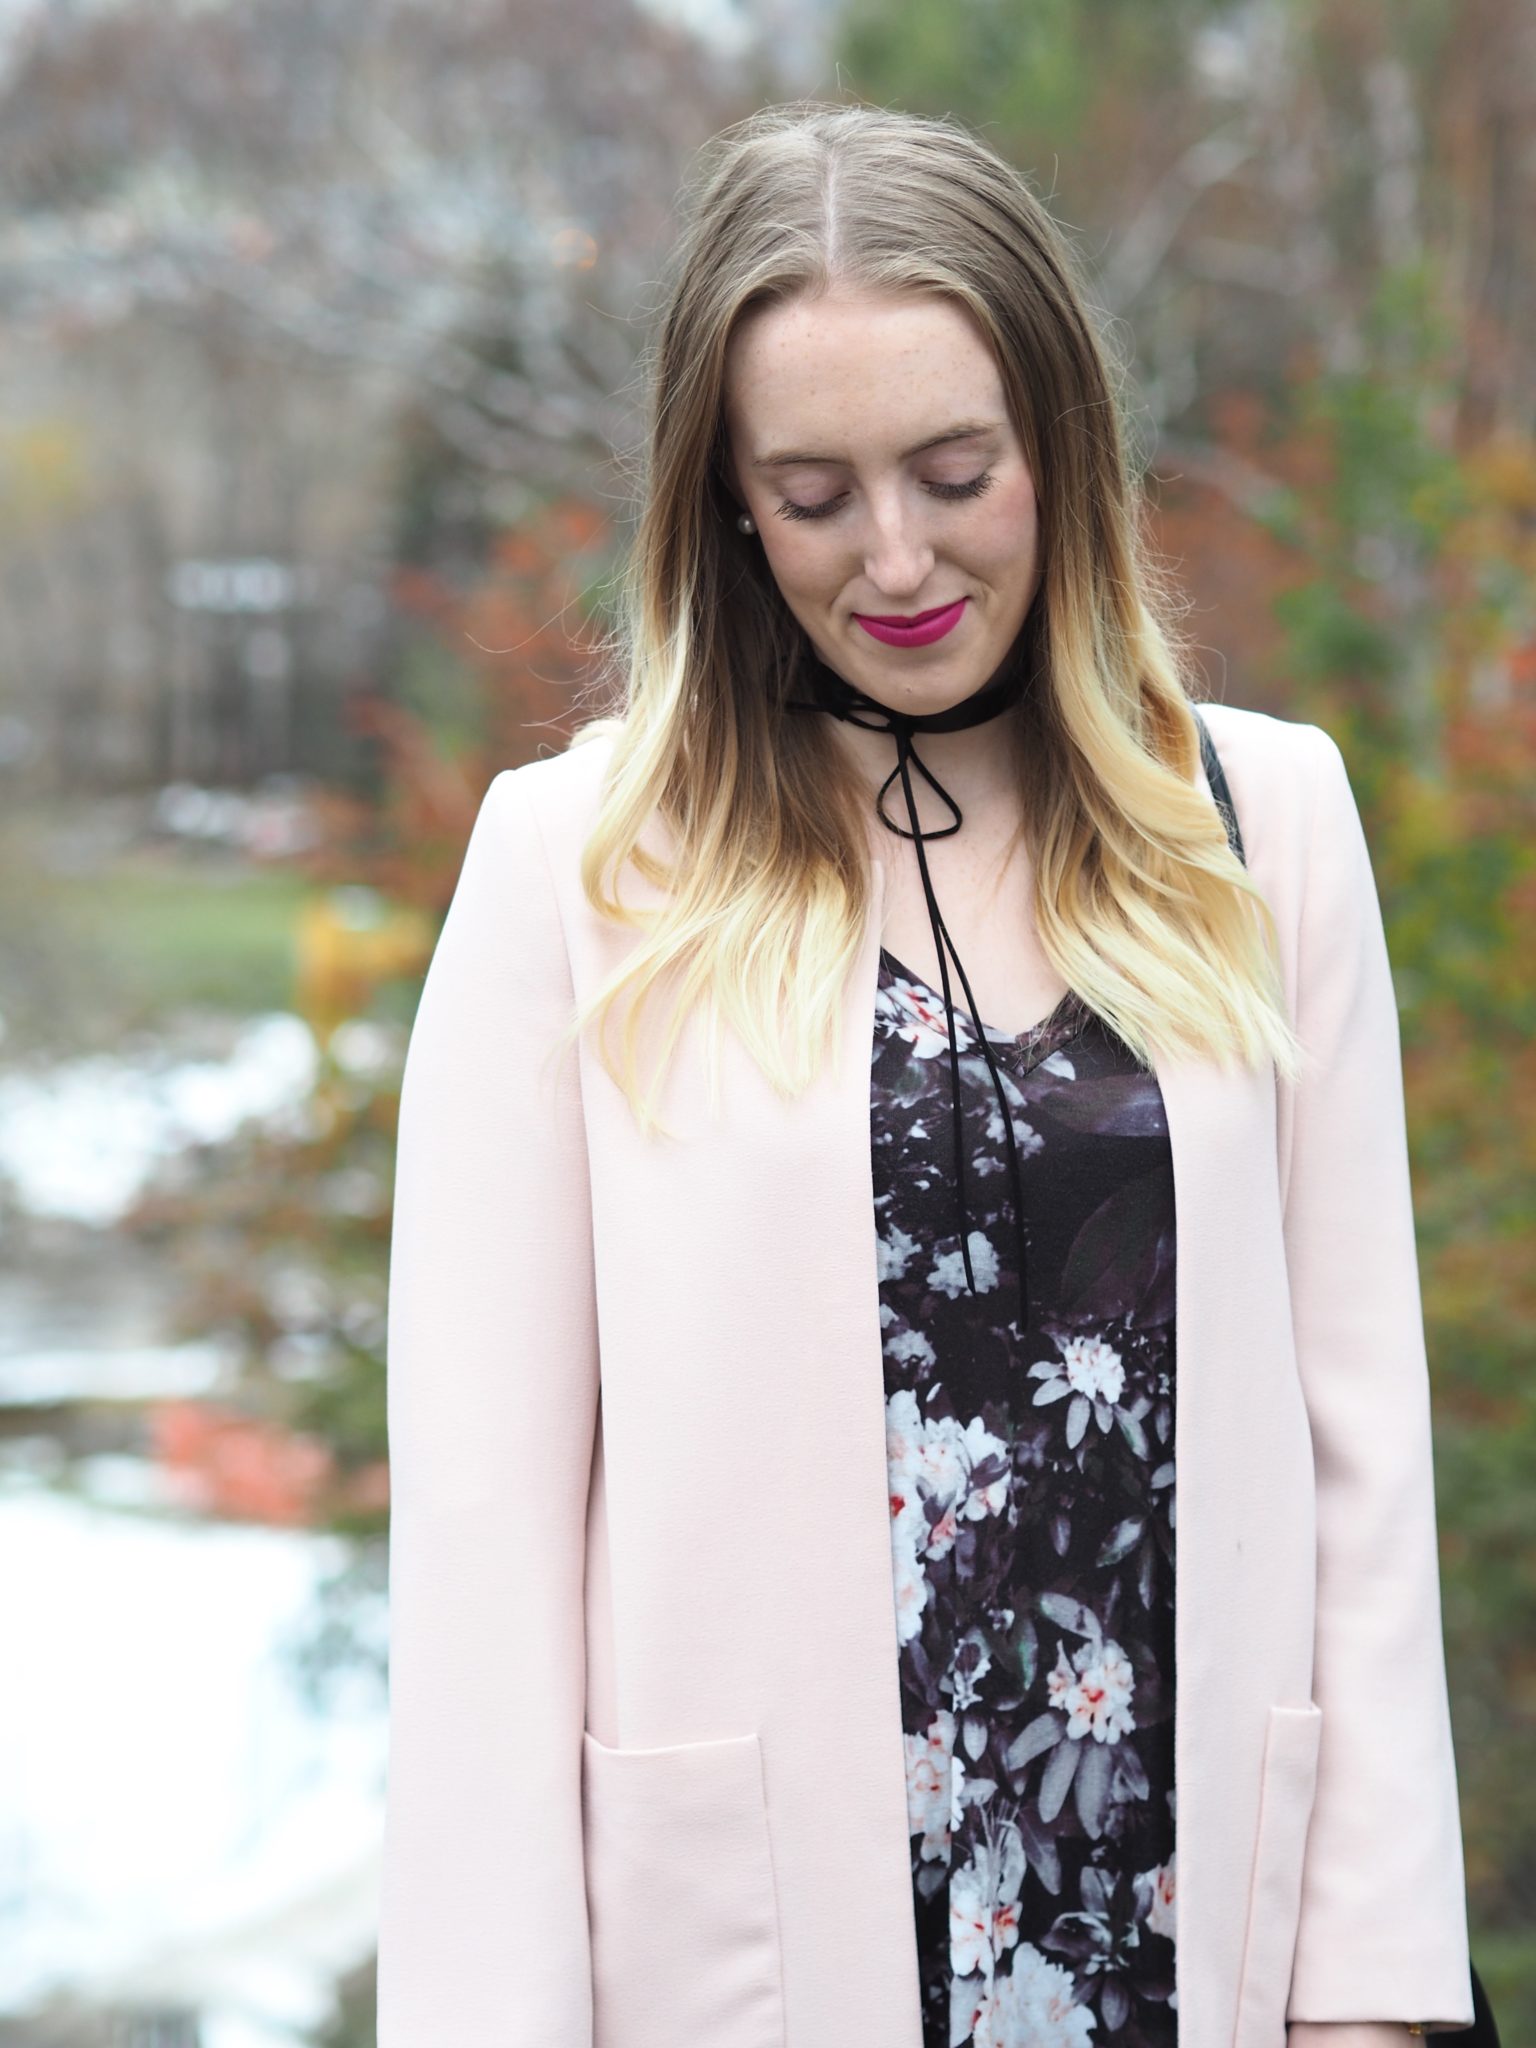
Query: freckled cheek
pixel 1007 521
pixel 809 571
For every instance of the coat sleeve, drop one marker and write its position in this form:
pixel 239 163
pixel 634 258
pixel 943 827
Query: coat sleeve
pixel 492 1401
pixel 1383 1930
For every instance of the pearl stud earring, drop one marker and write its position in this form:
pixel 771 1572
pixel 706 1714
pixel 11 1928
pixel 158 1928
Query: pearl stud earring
pixel 745 523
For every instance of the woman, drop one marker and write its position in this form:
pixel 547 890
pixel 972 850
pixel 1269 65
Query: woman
pixel 790 1643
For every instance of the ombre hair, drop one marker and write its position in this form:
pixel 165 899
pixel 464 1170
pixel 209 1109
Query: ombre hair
pixel 765 880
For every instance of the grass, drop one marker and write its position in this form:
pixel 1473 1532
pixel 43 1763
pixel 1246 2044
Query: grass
pixel 90 953
pixel 167 937
pixel 1506 1962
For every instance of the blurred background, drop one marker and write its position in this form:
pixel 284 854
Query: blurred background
pixel 318 333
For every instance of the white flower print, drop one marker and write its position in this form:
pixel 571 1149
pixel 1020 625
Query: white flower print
pixel 1093 1367
pixel 1031 2006
pixel 943 1464
pixel 921 1453
pixel 1060 1679
pixel 982 1447
pixel 1162 1882
pixel 905 1429
pixel 948 1275
pixel 909 1582
pixel 970 1999
pixel 910 1347
pixel 1092 1372
pixel 1094 1691
pixel 941 1535
pixel 905 1434
pixel 922 1021
pixel 1025 1136
pixel 984 1904
pixel 965 1685
pixel 928 1785
pixel 934 1460
pixel 952 1479
pixel 893 1253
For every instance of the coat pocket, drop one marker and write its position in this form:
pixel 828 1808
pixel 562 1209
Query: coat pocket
pixel 1287 1789
pixel 680 1896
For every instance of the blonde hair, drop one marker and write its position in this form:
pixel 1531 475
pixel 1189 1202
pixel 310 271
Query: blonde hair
pixel 1140 904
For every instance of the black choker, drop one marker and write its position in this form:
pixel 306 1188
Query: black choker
pixel 833 694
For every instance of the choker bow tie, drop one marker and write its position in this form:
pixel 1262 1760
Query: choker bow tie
pixel 831 693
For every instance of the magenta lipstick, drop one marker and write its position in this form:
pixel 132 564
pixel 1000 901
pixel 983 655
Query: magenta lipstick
pixel 921 630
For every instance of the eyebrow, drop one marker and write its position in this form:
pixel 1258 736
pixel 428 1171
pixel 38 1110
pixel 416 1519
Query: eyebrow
pixel 968 430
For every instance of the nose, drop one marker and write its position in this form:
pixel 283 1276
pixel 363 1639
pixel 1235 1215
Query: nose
pixel 898 556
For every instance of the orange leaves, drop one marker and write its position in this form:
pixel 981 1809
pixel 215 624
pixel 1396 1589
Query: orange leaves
pixel 238 1468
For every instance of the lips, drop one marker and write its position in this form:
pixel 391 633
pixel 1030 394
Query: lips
pixel 919 630
pixel 916 619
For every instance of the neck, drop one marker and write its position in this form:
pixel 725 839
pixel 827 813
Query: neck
pixel 976 766
pixel 969 747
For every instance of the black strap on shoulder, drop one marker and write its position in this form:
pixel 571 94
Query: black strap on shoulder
pixel 1216 776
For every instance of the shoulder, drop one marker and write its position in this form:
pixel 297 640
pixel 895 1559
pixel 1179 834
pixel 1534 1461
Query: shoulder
pixel 1281 772
pixel 541 811
pixel 560 793
pixel 520 880
pixel 1269 753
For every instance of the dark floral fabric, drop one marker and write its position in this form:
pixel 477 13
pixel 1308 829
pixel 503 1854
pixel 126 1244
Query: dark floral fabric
pixel 1032 1525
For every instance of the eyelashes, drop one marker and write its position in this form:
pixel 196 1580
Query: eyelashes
pixel 949 492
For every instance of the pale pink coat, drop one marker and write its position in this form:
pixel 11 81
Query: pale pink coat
pixel 647 1782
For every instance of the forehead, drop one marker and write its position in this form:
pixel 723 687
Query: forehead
pixel 868 369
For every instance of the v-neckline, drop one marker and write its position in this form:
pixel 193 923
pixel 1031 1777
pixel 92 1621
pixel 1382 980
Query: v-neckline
pixel 1068 1004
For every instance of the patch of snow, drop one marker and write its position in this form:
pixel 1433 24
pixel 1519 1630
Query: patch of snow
pixel 83 1139
pixel 177 1822
pixel 153 1372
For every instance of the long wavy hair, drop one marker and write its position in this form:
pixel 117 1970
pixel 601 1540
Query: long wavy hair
pixel 764 871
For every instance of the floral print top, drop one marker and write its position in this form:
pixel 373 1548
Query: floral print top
pixel 1032 1525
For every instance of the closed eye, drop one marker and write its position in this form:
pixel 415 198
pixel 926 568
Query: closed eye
pixel 973 489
